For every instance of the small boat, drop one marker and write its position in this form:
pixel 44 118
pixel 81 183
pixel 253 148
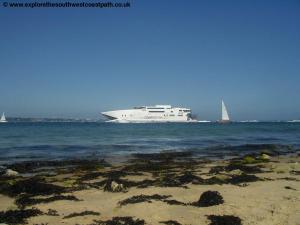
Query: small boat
pixel 225 117
pixel 294 121
pixel 3 119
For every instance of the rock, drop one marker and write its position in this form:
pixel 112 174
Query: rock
pixel 2 170
pixel 11 173
pixel 236 172
pixel 115 187
pixel 222 177
pixel 249 159
pixel 264 156
pixel 209 198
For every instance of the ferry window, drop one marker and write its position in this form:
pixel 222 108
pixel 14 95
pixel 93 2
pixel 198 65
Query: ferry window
pixel 156 111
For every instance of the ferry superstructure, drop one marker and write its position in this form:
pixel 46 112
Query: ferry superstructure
pixel 148 114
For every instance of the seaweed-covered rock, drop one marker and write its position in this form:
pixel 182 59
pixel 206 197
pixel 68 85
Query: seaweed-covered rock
pixel 18 216
pixel 224 220
pixel 209 198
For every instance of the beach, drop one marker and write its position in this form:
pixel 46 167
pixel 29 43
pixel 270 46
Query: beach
pixel 158 188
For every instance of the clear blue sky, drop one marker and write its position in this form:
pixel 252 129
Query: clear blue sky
pixel 78 62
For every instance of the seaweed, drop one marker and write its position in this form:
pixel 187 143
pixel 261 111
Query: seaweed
pixel 84 213
pixel 170 222
pixel 52 212
pixel 127 220
pixel 148 198
pixel 163 155
pixel 290 188
pixel 27 200
pixel 236 166
pixel 209 198
pixel 188 177
pixel 30 166
pixel 34 186
pixel 243 168
pixel 295 172
pixel 224 220
pixel 90 176
pixel 143 198
pixel 18 216
pixel 173 202
pixel 243 178
pixel 288 178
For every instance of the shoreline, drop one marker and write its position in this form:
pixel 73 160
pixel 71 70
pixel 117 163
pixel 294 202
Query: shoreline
pixel 155 188
pixel 214 152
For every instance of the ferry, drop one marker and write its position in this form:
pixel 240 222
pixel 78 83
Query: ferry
pixel 150 114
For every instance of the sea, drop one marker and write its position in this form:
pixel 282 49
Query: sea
pixel 22 141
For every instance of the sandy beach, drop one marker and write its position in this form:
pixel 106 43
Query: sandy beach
pixel 166 188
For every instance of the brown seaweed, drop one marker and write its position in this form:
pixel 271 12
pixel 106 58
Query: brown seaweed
pixel 170 222
pixel 12 217
pixel 34 186
pixel 127 220
pixel 26 200
pixel 143 198
pixel 224 220
pixel 84 213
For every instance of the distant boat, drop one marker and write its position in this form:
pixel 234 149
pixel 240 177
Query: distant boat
pixel 225 117
pixel 3 120
pixel 249 121
pixel 294 121
pixel 204 121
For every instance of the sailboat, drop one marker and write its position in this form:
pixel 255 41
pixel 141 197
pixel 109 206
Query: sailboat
pixel 225 117
pixel 3 120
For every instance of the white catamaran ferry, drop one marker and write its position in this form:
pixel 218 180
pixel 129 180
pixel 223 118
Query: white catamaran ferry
pixel 148 114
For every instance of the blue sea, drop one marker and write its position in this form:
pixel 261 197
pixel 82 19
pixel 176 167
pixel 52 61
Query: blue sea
pixel 62 140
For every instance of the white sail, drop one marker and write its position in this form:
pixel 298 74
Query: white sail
pixel 225 116
pixel 3 119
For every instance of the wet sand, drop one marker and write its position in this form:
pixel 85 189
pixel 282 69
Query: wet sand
pixel 155 189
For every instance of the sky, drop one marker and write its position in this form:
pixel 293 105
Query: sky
pixel 75 63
